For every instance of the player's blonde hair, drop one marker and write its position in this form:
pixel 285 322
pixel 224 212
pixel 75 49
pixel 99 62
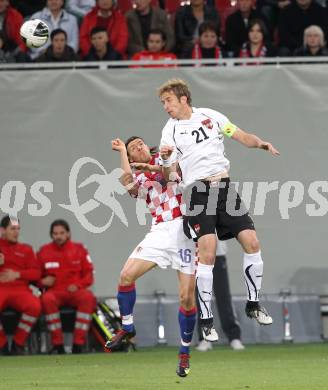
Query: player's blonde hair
pixel 314 30
pixel 178 87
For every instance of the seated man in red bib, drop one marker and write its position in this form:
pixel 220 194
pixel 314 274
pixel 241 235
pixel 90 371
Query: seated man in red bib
pixel 18 267
pixel 67 273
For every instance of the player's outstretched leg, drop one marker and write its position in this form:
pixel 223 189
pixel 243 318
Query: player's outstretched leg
pixel 204 282
pixel 187 321
pixel 126 297
pixel 253 274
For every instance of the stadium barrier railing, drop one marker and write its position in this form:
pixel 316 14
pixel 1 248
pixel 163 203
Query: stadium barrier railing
pixel 133 65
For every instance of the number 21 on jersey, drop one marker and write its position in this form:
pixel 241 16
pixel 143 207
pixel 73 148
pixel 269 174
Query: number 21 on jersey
pixel 200 135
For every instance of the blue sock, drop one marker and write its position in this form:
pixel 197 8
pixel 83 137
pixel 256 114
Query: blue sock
pixel 126 298
pixel 187 320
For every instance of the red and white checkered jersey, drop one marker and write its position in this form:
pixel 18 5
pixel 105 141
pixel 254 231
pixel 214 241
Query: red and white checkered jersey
pixel 163 199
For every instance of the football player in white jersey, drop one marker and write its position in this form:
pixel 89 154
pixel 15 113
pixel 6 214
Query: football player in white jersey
pixel 165 245
pixel 193 140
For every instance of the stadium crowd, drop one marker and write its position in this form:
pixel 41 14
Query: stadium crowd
pixel 98 30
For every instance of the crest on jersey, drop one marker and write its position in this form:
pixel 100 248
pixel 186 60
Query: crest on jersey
pixel 208 123
pixel 197 228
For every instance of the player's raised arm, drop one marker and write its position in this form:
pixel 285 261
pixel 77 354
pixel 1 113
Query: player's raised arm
pixel 144 167
pixel 253 141
pixel 127 178
pixel 119 146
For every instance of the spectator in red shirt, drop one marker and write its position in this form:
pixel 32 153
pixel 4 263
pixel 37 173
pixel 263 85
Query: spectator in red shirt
pixel 156 43
pixel 10 23
pixel 105 15
pixel 18 267
pixel 207 44
pixel 67 273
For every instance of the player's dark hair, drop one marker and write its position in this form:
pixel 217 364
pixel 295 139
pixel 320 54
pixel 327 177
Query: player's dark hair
pixel 6 221
pixel 58 31
pixel 59 222
pixel 157 31
pixel 97 30
pixel 152 149
pixel 263 28
pixel 207 26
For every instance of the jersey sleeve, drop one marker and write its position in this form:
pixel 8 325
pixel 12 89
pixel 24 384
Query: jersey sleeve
pixel 31 272
pixel 168 140
pixel 86 279
pixel 226 127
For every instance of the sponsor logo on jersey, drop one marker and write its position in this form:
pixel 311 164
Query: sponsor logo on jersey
pixel 19 254
pixel 208 123
pixel 139 249
pixel 51 264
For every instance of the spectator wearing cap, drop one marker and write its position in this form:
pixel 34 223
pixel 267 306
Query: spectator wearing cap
pixel 58 51
pixel 141 20
pixel 156 44
pixel 101 49
pixel 80 8
pixel 313 43
pixel 257 45
pixel 10 24
pixel 207 44
pixel 237 24
pixel 187 21
pixel 106 15
pixel 56 17
pixel 296 18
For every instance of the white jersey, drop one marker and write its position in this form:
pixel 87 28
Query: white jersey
pixel 198 143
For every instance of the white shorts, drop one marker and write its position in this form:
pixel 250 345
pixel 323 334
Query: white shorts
pixel 166 245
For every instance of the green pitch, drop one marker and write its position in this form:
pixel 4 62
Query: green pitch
pixel 283 367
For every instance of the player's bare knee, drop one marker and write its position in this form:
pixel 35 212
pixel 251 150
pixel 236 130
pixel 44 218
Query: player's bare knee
pixel 187 299
pixel 207 258
pixel 126 278
pixel 253 245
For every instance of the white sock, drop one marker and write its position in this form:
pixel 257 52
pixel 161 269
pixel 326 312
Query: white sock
pixel 253 273
pixel 204 282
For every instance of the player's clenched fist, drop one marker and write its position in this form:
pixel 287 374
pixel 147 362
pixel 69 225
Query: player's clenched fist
pixel 118 145
pixel 166 152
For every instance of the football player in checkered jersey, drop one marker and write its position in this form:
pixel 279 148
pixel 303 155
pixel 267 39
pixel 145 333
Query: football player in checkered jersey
pixel 193 139
pixel 165 245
